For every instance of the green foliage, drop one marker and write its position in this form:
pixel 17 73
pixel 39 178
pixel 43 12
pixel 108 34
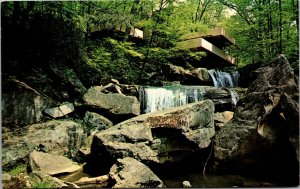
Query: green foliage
pixel 260 27
pixel 114 59
pixel 38 183
pixel 21 168
pixel 39 33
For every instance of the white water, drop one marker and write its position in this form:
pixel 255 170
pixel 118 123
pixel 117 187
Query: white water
pixel 234 97
pixel 224 79
pixel 161 98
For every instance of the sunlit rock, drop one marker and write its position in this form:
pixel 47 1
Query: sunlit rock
pixel 130 173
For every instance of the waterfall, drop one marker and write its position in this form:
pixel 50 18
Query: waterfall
pixel 224 79
pixel 160 98
pixel 234 97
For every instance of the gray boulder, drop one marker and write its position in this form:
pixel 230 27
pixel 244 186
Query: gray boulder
pixel 130 173
pixel 97 122
pixel 55 137
pixel 163 136
pixel 22 105
pixel 185 76
pixel 202 74
pixel 117 104
pixel 263 131
pixel 52 164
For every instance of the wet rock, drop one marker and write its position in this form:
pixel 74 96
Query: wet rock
pixel 52 164
pixel 21 104
pixel 260 134
pixel 163 136
pixel 55 137
pixel 130 173
pixel 186 184
pixel 202 74
pixel 216 93
pixel 60 111
pixel 195 76
pixel 248 74
pixel 96 121
pixel 290 112
pixel 116 104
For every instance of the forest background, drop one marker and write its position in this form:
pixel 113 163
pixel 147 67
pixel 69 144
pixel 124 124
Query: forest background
pixel 37 34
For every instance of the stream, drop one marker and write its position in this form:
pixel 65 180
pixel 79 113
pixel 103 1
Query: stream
pixel 216 181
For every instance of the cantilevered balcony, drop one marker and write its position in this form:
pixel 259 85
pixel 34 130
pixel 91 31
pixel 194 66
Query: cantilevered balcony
pixel 212 43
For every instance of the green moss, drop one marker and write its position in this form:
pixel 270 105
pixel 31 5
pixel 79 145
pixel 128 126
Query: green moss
pixel 21 168
pixel 44 184
pixel 38 183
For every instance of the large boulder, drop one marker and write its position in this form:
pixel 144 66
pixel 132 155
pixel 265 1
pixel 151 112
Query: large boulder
pixel 116 104
pixel 130 173
pixel 195 76
pixel 160 137
pixel 63 137
pixel 263 131
pixel 52 164
pixel 22 105
pixel 202 74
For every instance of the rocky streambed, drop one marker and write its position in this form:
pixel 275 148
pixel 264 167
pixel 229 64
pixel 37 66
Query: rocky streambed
pixel 102 139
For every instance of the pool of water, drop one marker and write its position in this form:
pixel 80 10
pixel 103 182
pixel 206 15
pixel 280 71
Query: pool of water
pixel 215 181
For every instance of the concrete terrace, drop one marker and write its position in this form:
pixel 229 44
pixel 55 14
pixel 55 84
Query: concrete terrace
pixel 212 42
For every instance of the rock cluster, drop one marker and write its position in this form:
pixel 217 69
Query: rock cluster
pixel 265 125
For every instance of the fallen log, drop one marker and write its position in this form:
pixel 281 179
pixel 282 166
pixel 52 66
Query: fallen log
pixel 93 180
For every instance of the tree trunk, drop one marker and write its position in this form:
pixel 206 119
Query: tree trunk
pixel 151 39
pixel 132 11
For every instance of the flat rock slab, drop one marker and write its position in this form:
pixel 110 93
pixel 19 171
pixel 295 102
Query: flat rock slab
pixel 130 173
pixel 60 111
pixel 52 164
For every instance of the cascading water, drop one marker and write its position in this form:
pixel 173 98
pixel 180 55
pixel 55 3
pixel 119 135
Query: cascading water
pixel 234 97
pixel 160 98
pixel 224 79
